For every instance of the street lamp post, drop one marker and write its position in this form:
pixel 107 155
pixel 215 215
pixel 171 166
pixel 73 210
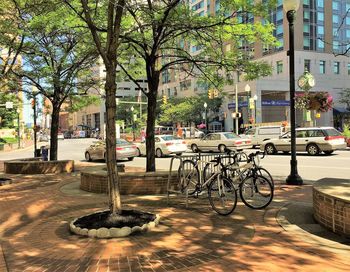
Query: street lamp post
pixel 255 97
pixel 133 122
pixel 247 90
pixel 291 6
pixel 205 117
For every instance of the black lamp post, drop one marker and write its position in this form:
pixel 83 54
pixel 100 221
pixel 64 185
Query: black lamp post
pixel 291 6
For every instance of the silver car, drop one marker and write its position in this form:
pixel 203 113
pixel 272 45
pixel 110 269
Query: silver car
pixel 219 141
pixel 124 149
pixel 313 140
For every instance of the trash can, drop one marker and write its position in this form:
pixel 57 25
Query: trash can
pixel 37 153
pixel 44 153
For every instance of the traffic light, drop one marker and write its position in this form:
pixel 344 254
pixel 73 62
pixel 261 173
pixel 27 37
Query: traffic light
pixel 216 93
pixel 210 94
pixel 165 99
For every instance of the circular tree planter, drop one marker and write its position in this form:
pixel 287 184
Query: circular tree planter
pixel 96 225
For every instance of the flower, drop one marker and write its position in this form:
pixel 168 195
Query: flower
pixel 320 101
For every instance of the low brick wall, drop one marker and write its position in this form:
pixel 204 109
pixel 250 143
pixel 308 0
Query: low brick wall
pixel 36 166
pixel 331 204
pixel 132 183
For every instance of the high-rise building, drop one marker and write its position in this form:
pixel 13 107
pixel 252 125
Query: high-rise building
pixel 322 36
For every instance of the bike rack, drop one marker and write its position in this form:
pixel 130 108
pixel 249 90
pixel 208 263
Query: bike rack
pixel 169 178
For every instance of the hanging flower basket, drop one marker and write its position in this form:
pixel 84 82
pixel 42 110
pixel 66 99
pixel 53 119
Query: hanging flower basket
pixel 320 101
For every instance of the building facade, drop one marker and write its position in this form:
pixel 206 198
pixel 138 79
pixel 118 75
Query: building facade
pixel 322 29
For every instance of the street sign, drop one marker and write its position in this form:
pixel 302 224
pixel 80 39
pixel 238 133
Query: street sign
pixel 9 105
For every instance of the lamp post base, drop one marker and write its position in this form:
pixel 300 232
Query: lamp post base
pixel 294 179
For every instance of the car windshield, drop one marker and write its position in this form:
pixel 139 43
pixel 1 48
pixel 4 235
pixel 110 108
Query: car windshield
pixel 169 138
pixel 332 132
pixel 231 135
pixel 122 141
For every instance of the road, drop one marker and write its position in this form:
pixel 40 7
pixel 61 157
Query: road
pixel 310 168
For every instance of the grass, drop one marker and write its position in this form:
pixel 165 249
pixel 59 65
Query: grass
pixel 10 140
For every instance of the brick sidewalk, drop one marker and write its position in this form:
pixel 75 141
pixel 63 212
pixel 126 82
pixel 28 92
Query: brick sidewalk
pixel 34 234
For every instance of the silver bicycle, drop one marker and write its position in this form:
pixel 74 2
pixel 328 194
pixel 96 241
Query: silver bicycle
pixel 221 191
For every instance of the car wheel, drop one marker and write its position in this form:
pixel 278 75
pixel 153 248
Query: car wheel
pixel 178 154
pixel 286 152
pixel 270 149
pixel 194 148
pixel 328 152
pixel 222 148
pixel 312 149
pixel 159 153
pixel 87 156
pixel 138 153
pixel 131 158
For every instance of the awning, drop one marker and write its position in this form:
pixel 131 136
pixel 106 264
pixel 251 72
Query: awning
pixel 341 110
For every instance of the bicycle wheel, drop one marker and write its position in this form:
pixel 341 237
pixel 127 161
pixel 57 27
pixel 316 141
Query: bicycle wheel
pixel 266 174
pixel 222 195
pixel 189 176
pixel 256 192
pixel 209 170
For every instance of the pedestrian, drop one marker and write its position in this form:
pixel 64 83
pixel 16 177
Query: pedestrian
pixel 143 136
pixel 179 131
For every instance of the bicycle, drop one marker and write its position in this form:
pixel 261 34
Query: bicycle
pixel 255 190
pixel 222 194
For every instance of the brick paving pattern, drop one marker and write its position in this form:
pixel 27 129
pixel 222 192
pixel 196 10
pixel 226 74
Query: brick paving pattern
pixel 34 235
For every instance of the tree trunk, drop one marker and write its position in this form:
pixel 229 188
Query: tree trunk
pixel 151 119
pixel 113 180
pixel 54 130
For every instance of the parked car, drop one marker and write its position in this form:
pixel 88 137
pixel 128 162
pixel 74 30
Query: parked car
pixel 219 141
pixel 60 136
pixel 313 140
pixel 260 134
pixel 161 130
pixel 67 135
pixel 124 149
pixel 165 145
pixel 191 132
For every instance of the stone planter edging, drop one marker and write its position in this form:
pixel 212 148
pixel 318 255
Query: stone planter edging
pixel 36 166
pixel 103 233
pixel 135 183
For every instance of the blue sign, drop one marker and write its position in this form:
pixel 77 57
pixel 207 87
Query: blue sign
pixel 275 103
pixel 232 105
pixel 269 103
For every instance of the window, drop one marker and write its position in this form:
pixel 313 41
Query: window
pixel 320 16
pixel 315 133
pixel 300 133
pixel 279 29
pixel 336 67
pixel 320 30
pixel 335 19
pixel 348 68
pixel 306 2
pixel 336 45
pixel 347 33
pixel 307 64
pixel 279 15
pixel 322 67
pixel 335 6
pixel 306 28
pixel 198 6
pixel 306 14
pixel 279 65
pixel 320 3
pixel 320 44
pixel 347 20
pixel 307 42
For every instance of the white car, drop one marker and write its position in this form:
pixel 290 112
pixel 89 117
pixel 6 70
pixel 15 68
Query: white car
pixel 313 140
pixel 60 136
pixel 165 145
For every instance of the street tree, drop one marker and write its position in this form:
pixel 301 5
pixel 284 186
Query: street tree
pixel 160 35
pixel 57 58
pixel 11 41
pixel 7 115
pixel 103 19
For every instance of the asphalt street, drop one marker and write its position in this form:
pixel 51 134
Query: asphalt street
pixel 310 168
